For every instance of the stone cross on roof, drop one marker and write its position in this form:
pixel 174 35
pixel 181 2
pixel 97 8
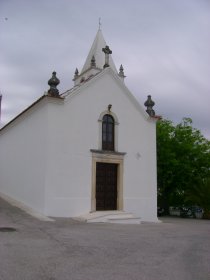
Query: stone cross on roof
pixel 107 52
pixel 99 24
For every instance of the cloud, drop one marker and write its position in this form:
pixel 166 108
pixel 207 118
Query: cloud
pixel 163 46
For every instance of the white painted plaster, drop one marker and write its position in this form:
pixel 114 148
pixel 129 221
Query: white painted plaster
pixel 46 160
pixel 23 150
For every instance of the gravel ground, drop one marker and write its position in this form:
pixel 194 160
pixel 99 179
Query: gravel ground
pixel 176 249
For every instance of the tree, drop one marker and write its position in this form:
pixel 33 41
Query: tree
pixel 183 158
pixel 199 194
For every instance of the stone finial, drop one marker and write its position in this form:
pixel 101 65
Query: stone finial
pixel 149 104
pixel 53 82
pixel 76 73
pixel 107 52
pixel 121 72
pixel 93 62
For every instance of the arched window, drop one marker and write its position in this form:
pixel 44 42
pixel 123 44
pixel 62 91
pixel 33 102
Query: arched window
pixel 108 133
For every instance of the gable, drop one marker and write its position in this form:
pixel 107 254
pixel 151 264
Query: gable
pixel 104 83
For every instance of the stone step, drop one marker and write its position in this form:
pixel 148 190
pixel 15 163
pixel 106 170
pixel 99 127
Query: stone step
pixel 119 217
pixel 124 220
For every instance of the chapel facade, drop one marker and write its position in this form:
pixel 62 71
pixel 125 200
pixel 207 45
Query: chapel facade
pixel 91 149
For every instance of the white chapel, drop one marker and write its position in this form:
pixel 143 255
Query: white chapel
pixel 90 150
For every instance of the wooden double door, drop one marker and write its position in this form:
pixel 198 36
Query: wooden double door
pixel 106 186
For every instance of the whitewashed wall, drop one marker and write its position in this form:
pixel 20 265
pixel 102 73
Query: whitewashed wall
pixel 74 130
pixel 23 158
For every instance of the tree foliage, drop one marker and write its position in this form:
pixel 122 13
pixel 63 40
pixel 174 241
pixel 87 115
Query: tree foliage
pixel 183 160
pixel 200 195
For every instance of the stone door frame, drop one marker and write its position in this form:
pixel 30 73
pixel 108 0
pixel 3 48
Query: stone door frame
pixel 108 157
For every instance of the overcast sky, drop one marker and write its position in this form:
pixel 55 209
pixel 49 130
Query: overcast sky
pixel 164 46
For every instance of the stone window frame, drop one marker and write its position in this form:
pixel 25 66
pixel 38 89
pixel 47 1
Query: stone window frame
pixel 116 128
pixel 108 128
